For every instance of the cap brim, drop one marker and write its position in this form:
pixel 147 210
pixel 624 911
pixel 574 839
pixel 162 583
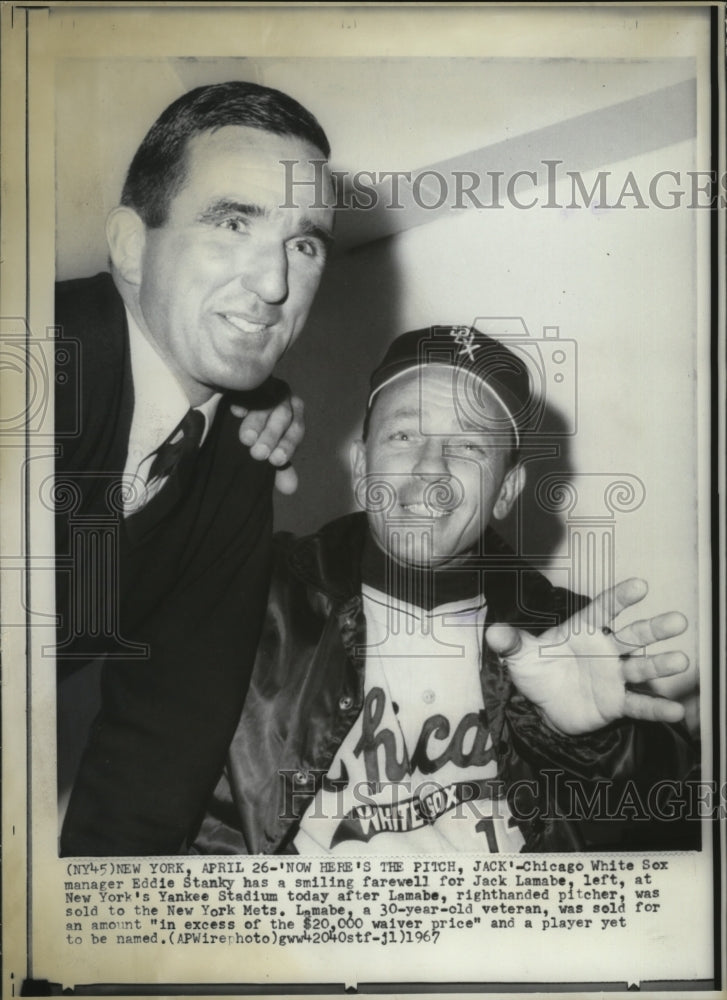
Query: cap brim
pixel 455 368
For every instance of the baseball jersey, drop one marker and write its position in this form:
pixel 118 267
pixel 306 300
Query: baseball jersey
pixel 417 772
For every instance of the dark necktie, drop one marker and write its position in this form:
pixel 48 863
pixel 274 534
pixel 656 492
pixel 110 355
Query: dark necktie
pixel 181 445
pixel 172 466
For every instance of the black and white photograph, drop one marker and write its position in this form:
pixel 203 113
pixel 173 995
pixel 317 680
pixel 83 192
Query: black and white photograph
pixel 361 535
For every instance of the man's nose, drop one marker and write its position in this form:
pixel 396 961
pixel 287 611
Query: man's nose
pixel 431 460
pixel 265 272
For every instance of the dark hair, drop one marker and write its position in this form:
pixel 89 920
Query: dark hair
pixel 159 166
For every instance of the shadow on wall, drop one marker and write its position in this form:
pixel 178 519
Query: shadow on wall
pixel 354 318
pixel 534 528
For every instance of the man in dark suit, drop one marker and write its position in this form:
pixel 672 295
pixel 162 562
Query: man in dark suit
pixel 163 517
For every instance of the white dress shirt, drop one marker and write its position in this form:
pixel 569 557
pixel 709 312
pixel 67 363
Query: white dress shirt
pixel 160 403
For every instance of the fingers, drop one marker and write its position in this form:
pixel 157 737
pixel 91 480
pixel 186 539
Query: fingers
pixel 504 640
pixel 287 445
pixel 648 630
pixel 274 433
pixel 609 603
pixel 648 668
pixel 644 706
pixel 286 480
pixel 252 424
pixel 275 428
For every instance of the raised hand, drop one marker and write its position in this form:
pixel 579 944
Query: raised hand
pixel 582 681
pixel 274 434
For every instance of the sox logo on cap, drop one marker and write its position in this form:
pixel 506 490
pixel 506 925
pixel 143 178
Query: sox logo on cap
pixel 464 336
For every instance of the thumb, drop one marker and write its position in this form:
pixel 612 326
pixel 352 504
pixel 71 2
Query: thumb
pixel 504 640
pixel 286 480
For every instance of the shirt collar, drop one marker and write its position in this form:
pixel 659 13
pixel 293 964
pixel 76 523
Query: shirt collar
pixel 159 400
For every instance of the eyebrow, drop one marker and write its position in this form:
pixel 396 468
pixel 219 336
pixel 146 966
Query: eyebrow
pixel 308 228
pixel 224 206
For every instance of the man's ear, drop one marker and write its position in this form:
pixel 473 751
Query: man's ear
pixel 357 458
pixel 125 234
pixel 512 487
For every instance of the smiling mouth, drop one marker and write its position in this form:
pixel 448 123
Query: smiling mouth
pixel 244 325
pixel 423 510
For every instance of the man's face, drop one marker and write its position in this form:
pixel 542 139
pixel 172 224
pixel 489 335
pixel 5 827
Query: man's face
pixel 429 478
pixel 227 281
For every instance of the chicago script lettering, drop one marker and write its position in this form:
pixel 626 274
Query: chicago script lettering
pixel 436 726
pixel 373 709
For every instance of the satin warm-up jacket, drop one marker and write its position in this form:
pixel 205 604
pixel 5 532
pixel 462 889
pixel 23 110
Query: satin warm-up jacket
pixel 567 793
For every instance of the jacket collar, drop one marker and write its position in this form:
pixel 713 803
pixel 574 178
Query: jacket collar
pixel 330 562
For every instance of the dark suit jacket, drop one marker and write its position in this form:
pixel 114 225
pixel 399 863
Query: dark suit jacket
pixel 172 597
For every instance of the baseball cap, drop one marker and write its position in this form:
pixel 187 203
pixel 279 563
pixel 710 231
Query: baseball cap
pixel 462 348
